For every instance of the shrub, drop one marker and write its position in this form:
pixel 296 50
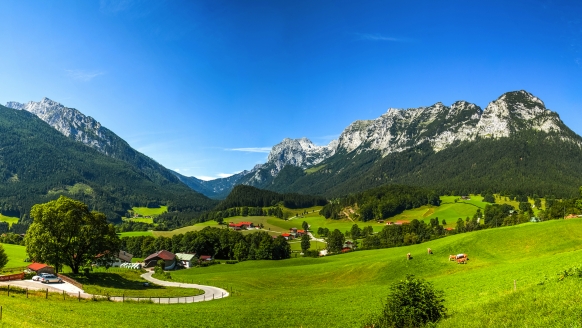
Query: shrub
pixel 231 262
pixel 411 303
pixel 311 253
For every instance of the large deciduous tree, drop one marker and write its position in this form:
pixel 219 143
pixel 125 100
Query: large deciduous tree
pixel 65 232
pixel 335 241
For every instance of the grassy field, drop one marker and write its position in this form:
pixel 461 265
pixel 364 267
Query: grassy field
pixel 9 219
pixel 118 282
pixel 451 209
pixel 135 233
pixel 145 211
pixel 315 245
pixel 16 256
pixel 341 291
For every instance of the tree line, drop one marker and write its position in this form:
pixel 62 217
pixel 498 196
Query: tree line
pixel 219 243
pixel 382 202
pixel 243 195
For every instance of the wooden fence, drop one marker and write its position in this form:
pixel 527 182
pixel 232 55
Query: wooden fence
pixel 71 281
pixel 18 276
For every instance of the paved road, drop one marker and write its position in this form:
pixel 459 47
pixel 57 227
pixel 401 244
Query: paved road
pixel 210 293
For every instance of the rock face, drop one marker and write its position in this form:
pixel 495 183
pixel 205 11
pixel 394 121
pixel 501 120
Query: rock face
pixel 399 130
pixel 299 152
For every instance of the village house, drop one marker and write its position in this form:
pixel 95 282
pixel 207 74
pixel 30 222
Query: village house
pixel 186 260
pixel 287 236
pixel 241 225
pixel 205 258
pixel 168 257
pixel 39 268
pixel 117 260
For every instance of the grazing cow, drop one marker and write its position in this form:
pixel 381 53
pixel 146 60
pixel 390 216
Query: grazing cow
pixel 429 251
pixel 462 260
pixel 452 257
pixel 408 256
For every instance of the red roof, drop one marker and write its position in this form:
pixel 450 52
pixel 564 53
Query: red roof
pixel 37 266
pixel 163 255
pixel 240 224
pixel 205 257
pixel 301 231
pixel 285 235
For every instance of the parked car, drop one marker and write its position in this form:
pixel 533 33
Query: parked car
pixel 47 279
pixel 37 278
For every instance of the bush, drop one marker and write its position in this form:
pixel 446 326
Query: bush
pixel 311 253
pixel 231 262
pixel 411 303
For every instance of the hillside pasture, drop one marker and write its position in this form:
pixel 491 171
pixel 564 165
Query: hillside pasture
pixel 135 233
pixel 16 256
pixel 343 290
pixel 146 211
pixel 9 219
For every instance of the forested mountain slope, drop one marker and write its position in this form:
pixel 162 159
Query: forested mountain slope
pixel 85 129
pixel 38 163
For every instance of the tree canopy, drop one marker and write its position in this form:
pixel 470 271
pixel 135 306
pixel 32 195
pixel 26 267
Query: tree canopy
pixel 65 232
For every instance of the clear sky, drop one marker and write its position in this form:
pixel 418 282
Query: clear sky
pixel 208 87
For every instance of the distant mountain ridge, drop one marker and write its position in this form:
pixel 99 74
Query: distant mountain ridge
pixel 398 131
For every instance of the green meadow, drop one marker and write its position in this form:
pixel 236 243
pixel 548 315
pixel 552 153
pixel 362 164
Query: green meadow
pixel 146 211
pixel 16 256
pixel 342 290
pixel 9 219
pixel 135 233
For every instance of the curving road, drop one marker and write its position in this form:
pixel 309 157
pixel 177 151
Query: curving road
pixel 210 292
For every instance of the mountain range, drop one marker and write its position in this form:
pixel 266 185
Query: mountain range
pixel 372 152
pixel 460 148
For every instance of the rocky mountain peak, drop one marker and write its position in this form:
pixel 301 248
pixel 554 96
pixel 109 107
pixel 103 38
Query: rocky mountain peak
pixel 516 111
pixel 69 121
pixel 298 152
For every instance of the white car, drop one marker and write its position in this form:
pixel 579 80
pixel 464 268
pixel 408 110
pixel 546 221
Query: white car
pixel 37 278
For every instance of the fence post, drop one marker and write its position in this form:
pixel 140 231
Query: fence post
pixel 79 296
pixel 8 290
pixel 46 294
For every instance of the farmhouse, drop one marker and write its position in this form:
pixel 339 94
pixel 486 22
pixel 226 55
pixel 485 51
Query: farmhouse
pixel 287 236
pixel 41 268
pixel 186 260
pixel 205 258
pixel 241 225
pixel 168 257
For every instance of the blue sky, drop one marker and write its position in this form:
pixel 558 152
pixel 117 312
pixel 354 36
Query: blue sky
pixel 207 87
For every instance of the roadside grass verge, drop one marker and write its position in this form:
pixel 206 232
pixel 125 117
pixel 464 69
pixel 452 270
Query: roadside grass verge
pixel 118 282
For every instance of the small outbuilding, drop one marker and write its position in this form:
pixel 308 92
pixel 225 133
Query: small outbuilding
pixel 186 260
pixel 41 268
